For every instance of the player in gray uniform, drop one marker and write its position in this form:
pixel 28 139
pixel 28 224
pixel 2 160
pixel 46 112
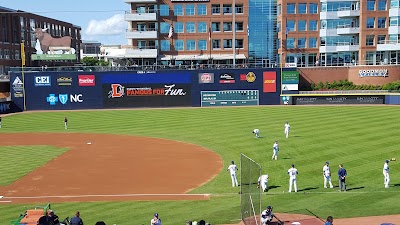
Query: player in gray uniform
pixel 66 122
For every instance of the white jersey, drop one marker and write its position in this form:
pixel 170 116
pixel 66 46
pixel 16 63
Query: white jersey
pixel 276 147
pixel 232 169
pixel 256 131
pixel 326 170
pixel 287 127
pixel 292 172
pixel 263 178
pixel 386 168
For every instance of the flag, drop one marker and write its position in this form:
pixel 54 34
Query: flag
pixel 248 30
pixel 171 31
pixel 209 32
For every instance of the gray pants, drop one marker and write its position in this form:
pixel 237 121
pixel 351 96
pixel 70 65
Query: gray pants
pixel 342 184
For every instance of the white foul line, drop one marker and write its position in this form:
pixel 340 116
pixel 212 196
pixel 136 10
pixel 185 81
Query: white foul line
pixel 117 195
pixel 5 201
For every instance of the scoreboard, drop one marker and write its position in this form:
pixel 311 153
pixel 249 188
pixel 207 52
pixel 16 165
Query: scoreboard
pixel 229 98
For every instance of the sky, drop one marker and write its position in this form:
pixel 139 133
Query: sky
pixel 101 21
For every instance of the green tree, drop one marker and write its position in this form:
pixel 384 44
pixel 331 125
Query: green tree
pixel 89 61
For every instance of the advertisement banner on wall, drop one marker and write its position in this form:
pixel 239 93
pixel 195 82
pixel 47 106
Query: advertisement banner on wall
pixel 340 100
pixel 146 95
pixel 290 87
pixel 290 77
pixel 86 80
pixel 206 78
pixel 17 87
pixel 226 78
pixel 269 81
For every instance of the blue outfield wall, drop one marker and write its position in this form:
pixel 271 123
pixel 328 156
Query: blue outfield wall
pixel 95 90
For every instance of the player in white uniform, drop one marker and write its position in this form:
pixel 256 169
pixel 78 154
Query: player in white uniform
pixel 232 169
pixel 275 149
pixel 326 171
pixel 263 182
pixel 287 129
pixel 256 132
pixel 292 180
pixel 386 174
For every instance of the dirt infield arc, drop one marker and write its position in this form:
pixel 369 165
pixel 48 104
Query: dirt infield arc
pixel 112 167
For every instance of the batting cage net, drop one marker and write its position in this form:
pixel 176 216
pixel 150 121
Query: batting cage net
pixel 250 195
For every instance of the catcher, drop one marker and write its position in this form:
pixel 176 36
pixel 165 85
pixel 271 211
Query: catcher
pixel 267 216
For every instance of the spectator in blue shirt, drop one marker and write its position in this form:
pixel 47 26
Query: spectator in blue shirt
pixel 342 173
pixel 329 220
pixel 76 220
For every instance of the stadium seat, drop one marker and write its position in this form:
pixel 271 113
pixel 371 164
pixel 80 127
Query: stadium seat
pixel 32 216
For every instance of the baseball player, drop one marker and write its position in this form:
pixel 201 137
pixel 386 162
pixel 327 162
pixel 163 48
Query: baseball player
pixel 342 173
pixel 386 174
pixel 275 149
pixel 156 220
pixel 256 132
pixel 326 172
pixel 292 180
pixel 287 129
pixel 233 168
pixel 267 216
pixel 0 121
pixel 66 122
pixel 263 182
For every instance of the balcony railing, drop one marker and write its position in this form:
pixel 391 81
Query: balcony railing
pixel 393 42
pixel 140 11
pixel 140 29
pixel 346 26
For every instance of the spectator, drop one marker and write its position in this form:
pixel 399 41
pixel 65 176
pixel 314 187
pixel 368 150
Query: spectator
pixel 100 223
pixel 155 221
pixel 76 220
pixel 342 173
pixel 53 218
pixel 44 220
pixel 329 220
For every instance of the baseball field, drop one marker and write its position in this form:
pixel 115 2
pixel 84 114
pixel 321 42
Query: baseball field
pixel 173 161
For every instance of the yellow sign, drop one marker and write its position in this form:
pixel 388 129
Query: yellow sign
pixel 23 54
pixel 250 77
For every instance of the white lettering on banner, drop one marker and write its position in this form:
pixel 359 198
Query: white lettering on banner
pixel 170 91
pixel 373 73
pixel 76 98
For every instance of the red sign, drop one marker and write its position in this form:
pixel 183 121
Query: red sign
pixel 242 76
pixel 269 82
pixel 86 80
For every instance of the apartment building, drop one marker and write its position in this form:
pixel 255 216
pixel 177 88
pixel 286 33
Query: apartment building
pixel 17 26
pixel 202 31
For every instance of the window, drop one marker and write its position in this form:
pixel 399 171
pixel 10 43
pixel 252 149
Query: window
pixel 239 26
pixel 290 43
pixel 216 9
pixel 239 43
pixel 312 42
pixel 190 45
pixel 202 45
pixel 178 10
pixel 279 9
pixel 202 9
pixel 370 22
pixel 313 8
pixel 291 25
pixel 215 26
pixel 227 43
pixel 178 27
pixel 179 45
pixel 302 25
pixel 370 5
pixel 278 26
pixel 165 45
pixel 302 8
pixel 239 9
pixel 382 5
pixel 278 43
pixel 216 44
pixel 382 22
pixel 394 21
pixel 394 4
pixel 381 39
pixel 164 10
pixel 202 27
pixel 227 26
pixel 17 55
pixel 141 27
pixel 291 8
pixel 370 40
pixel 190 9
pixel 141 44
pixel 227 8
pixel 301 42
pixel 141 9
pixel 164 28
pixel 312 26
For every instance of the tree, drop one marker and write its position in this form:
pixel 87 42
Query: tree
pixel 89 61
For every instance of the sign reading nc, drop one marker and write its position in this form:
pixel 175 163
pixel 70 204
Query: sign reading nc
pixel 53 99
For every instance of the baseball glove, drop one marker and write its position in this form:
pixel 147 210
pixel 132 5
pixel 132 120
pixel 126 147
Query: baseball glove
pixel 393 159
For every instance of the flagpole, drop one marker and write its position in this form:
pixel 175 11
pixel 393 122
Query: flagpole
pixel 234 33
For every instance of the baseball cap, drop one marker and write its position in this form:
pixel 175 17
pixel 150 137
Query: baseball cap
pixel 387 160
pixel 327 162
pixel 156 214
pixel 269 207
pixel 292 165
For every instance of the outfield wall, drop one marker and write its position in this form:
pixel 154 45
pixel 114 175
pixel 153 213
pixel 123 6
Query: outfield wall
pixel 131 89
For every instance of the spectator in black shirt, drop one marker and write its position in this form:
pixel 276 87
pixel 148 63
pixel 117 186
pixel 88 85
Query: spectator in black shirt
pixel 53 218
pixel 66 122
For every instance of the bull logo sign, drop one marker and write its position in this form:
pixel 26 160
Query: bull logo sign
pixel 52 48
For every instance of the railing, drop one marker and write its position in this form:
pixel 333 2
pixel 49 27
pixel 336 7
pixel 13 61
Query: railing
pixel 348 8
pixel 140 29
pixel 346 26
pixel 4 77
pixel 141 11
pixel 139 47
pixel 389 42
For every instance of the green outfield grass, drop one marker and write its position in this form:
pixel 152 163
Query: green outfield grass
pixel 360 137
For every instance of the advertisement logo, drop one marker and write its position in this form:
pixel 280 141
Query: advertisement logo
pixel 17 87
pixel 64 81
pixel 42 81
pixel 285 100
pixel 226 78
pixel 52 99
pixel 373 73
pixel 269 82
pixel 290 87
pixel 117 91
pixel 4 107
pixel 86 80
pixel 250 77
pixel 206 78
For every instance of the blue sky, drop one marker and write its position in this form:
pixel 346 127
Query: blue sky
pixel 101 21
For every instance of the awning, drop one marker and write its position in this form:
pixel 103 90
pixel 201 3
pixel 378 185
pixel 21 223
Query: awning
pixel 130 56
pixel 202 57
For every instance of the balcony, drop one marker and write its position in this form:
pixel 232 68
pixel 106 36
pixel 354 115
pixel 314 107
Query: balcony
pixel 133 15
pixel 140 1
pixel 388 45
pixel 328 32
pixel 132 52
pixel 328 15
pixel 347 12
pixel 340 47
pixel 141 34
pixel 347 29
pixel 394 12
pixel 394 29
